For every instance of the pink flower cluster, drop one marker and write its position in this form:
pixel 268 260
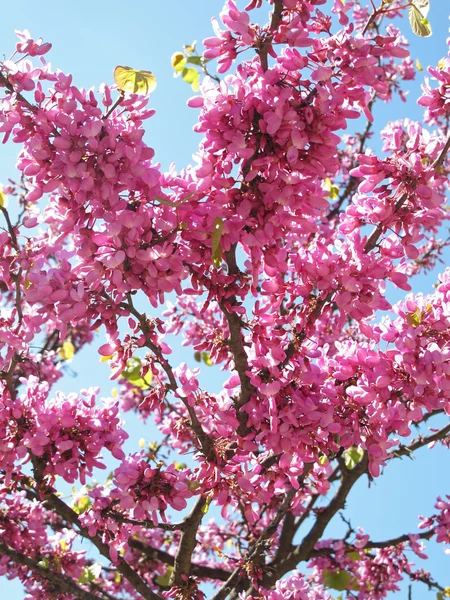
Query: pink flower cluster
pixel 65 434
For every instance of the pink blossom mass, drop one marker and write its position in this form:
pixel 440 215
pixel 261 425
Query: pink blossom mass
pixel 269 259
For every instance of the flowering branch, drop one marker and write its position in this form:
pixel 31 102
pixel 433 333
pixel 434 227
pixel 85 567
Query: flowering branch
pixel 59 583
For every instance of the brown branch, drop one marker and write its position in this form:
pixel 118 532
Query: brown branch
pixel 146 523
pixel 5 82
pixel 353 181
pixel 303 551
pixel 60 582
pixel 236 345
pixel 188 541
pixel 263 49
pixel 424 535
pixel 63 510
pixel 206 444
pixel 256 550
pixel 422 441
pixel 155 554
pixel 376 233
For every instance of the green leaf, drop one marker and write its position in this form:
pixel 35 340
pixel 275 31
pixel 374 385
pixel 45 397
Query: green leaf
pixel 163 580
pixel 43 563
pixel 216 248
pixel 352 457
pixel 3 200
pixel 207 359
pixel 418 65
pixel 353 555
pixel 196 60
pixel 90 573
pixel 207 503
pixel 82 505
pixel 132 373
pixel 417 15
pixel 191 76
pixel 337 580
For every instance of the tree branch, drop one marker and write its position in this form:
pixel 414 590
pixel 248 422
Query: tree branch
pixel 422 441
pixel 303 551
pixel 62 509
pixel 188 541
pixel 60 582
pixel 197 570
pixel 257 549
pixel 424 535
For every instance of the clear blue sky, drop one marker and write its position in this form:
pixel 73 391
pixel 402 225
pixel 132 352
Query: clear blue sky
pixel 89 40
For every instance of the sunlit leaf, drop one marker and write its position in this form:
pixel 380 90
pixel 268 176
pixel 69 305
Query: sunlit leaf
pixel 353 555
pixel 67 351
pixel 337 580
pixel 414 319
pixel 422 5
pixel 43 563
pixel 352 457
pixel 90 573
pixel 196 60
pixel 333 190
pixel 190 48
pixel 418 65
pixel 207 503
pixel 191 76
pixel 216 248
pixel 3 200
pixel 163 580
pixel 417 14
pixel 81 505
pixel 207 359
pixel 133 371
pixel 178 61
pixel 135 82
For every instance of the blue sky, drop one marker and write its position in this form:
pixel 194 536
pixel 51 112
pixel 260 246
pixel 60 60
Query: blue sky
pixel 89 40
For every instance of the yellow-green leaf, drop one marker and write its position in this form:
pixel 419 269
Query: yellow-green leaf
pixel 163 580
pixel 81 505
pixel 178 61
pixel 417 15
pixel 67 351
pixel 132 373
pixel 3 200
pixel 216 247
pixel 353 456
pixel 333 190
pixel 207 503
pixel 337 580
pixel 414 319
pixel 418 65
pixel 135 82
pixel 191 76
